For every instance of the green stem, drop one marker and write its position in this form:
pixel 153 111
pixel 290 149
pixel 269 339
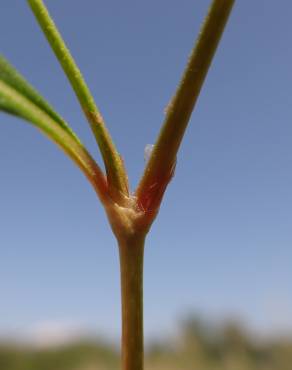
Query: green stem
pixel 160 166
pixel 131 263
pixel 117 178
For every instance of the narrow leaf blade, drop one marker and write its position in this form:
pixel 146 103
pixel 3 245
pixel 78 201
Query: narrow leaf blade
pixel 13 78
pixel 13 102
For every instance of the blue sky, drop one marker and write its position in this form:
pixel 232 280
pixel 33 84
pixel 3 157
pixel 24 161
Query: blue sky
pixel 221 245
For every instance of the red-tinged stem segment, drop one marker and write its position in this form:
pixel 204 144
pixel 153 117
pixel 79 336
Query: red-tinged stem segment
pixel 131 263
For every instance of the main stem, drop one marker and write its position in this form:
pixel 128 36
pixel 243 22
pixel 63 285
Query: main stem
pixel 131 263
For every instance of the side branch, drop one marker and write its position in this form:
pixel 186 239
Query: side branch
pixel 116 174
pixel 159 169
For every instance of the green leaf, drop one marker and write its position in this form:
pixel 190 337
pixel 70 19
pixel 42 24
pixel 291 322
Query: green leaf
pixel 13 78
pixel 14 102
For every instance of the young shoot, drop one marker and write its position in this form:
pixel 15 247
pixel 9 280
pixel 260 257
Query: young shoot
pixel 130 214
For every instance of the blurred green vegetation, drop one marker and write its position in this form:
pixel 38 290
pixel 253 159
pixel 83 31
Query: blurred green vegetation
pixel 197 346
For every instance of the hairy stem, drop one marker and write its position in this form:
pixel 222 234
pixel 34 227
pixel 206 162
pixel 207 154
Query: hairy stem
pixel 162 161
pixel 117 178
pixel 131 263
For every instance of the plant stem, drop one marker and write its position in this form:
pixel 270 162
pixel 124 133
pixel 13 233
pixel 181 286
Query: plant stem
pixel 131 263
pixel 160 165
pixel 116 175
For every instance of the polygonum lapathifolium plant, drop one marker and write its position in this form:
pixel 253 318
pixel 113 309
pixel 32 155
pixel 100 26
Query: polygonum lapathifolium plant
pixel 130 213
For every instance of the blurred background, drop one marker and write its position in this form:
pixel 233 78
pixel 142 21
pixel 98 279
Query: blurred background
pixel 218 258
